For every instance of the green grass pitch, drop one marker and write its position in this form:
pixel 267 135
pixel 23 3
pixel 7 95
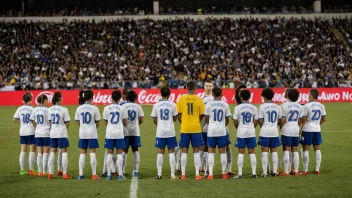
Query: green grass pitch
pixel 334 181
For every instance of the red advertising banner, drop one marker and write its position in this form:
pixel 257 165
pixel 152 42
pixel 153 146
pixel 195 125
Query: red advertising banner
pixel 151 96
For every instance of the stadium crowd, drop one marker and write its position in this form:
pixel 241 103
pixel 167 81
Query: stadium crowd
pixel 145 53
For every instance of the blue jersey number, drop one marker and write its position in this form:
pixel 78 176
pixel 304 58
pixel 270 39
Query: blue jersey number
pixel 55 118
pixel 293 116
pixel 164 114
pixel 86 117
pixel 115 117
pixel 316 115
pixel 246 117
pixel 132 115
pixel 25 118
pixel 272 116
pixel 218 115
pixel 40 119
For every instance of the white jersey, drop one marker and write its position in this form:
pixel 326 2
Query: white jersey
pixel 134 112
pixel 292 111
pixel 165 111
pixel 314 111
pixel 23 114
pixel 58 116
pixel 40 117
pixel 88 115
pixel 217 111
pixel 245 114
pixel 114 114
pixel 205 99
pixel 270 113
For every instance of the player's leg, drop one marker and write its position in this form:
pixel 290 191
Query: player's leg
pixel 201 153
pixel 264 143
pixel 185 139
pixel 204 159
pixel 306 141
pixel 251 144
pixel 109 160
pixel 197 141
pixel 211 158
pixel 40 151
pixel 274 143
pixel 286 147
pixel 114 168
pixel 64 158
pixel 93 145
pixel 171 144
pixel 22 157
pixel 46 150
pixel 229 156
pixel 241 145
pixel 136 143
pixel 317 140
pixel 53 148
pixel 105 170
pixel 83 146
pixel 160 143
pixel 178 151
pixel 31 158
pixel 223 159
pixel 125 152
pixel 295 155
pixel 120 145
pixel 59 163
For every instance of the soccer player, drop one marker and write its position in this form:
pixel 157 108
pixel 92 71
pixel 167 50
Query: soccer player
pixel 59 120
pixel 39 119
pixel 115 117
pixel 131 131
pixel 314 115
pixel 190 110
pixel 237 93
pixel 269 117
pixel 27 132
pixel 87 117
pixel 292 113
pixel 164 115
pixel 217 115
pixel 246 120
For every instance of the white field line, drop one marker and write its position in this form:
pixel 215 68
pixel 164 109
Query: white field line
pixel 134 187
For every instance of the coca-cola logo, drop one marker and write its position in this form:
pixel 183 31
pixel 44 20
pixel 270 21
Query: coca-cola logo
pixel 47 93
pixel 101 98
pixel 145 98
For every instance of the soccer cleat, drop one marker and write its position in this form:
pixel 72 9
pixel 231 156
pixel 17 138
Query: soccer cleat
pixel 231 174
pixel 32 172
pixel 104 175
pixel 95 177
pixel 59 173
pixel 317 172
pixel 158 177
pixel 136 174
pixel 80 177
pixel 198 177
pixel 120 177
pixel 41 174
pixel 109 177
pixel 183 177
pixel 303 173
pixel 224 176
pixel 173 177
pixel 254 176
pixel 263 175
pixel 296 174
pixel 274 174
pixel 237 177
pixel 284 174
pixel 66 176
pixel 23 173
pixel 210 177
pixel 50 176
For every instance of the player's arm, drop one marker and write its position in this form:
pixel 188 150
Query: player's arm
pixel 67 124
pixel 206 118
pixel 300 122
pixel 155 120
pixel 180 117
pixel 16 117
pixel 34 124
pixel 106 122
pixel 78 122
pixel 235 123
pixel 16 120
pixel 124 122
pixel 227 120
pixel 97 118
pixel 201 117
pixel 140 120
pixel 97 123
pixel 255 123
pixel 261 121
pixel 261 116
pixel 323 119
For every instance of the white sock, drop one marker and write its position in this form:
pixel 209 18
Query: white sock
pixel 108 164
pixel 59 160
pixel 281 162
pixel 136 161
pixel 45 162
pixel 253 163
pixel 22 156
pixel 178 157
pixel 119 163
pixel 201 158
pixel 31 160
pixel 223 159
pixel 40 162
pixel 82 161
pixel 105 170
pixel 196 162
pixel 240 163
pixel 305 161
pixel 211 163
pixel 51 163
pixel 124 157
pixel 275 161
pixel 291 161
pixel 183 163
pixel 114 165
pixel 64 163
pixel 265 162
pixel 229 160
pixel 301 153
pixel 295 160
pixel 205 161
pixel 317 160
pixel 93 163
pixel 172 163
pixel 159 163
pixel 286 159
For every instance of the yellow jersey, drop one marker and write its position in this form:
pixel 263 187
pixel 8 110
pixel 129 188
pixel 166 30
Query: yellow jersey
pixel 190 107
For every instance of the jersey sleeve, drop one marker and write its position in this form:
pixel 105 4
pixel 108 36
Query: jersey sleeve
pixel 174 108
pixel 255 113
pixel 17 114
pixel 97 115
pixel 66 116
pixel 49 115
pixel 207 110
pixel 201 107
pixel 77 115
pixel 124 114
pixel 283 110
pixel 279 116
pixel 301 113
pixel 305 110
pixel 235 114
pixel 324 112
pixel 140 112
pixel 154 113
pixel 261 112
pixel 105 114
pixel 227 111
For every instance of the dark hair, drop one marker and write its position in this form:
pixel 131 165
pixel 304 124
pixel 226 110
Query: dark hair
pixel 27 97
pixel 293 95
pixel 237 93
pixel 165 92
pixel 245 94
pixel 268 93
pixel 126 90
pixel 286 92
pixel 42 98
pixel 191 85
pixel 217 91
pixel 208 81
pixel 314 93
pixel 132 96
pixel 116 95
pixel 56 98
pixel 81 99
pixel 88 94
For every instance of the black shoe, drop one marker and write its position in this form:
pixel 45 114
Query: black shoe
pixel 263 175
pixel 254 176
pixel 158 177
pixel 237 177
pixel 274 174
pixel 104 175
pixel 206 174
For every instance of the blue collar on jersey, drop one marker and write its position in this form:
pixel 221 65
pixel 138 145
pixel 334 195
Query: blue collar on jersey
pixel 245 103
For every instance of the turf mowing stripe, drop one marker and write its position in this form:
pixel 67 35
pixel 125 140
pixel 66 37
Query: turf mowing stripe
pixel 134 187
pixel 8 136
